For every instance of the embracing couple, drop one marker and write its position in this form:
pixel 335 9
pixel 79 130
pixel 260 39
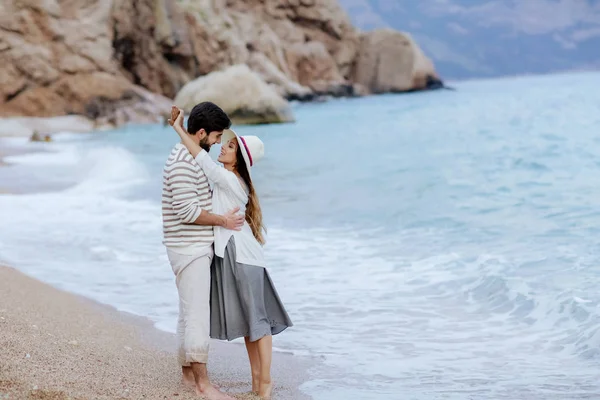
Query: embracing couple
pixel 213 232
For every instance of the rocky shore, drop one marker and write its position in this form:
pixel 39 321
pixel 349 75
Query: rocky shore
pixel 118 61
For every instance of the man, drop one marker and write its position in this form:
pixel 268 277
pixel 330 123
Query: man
pixel 188 235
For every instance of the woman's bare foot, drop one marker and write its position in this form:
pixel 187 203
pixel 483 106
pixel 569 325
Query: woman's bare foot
pixel 266 387
pixel 212 393
pixel 255 384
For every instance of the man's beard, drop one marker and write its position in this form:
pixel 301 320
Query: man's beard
pixel 204 144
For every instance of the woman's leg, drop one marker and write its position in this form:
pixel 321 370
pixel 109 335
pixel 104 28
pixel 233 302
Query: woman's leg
pixel 265 350
pixel 252 348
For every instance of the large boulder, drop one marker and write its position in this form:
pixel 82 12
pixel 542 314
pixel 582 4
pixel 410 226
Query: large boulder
pixel 242 94
pixel 391 61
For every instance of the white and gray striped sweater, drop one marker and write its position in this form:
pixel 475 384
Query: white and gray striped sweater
pixel 185 194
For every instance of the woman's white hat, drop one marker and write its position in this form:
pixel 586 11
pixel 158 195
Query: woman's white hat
pixel 253 149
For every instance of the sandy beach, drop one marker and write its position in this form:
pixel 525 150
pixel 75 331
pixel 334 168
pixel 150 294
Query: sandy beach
pixel 56 345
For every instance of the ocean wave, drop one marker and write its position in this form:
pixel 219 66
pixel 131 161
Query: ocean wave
pixel 109 169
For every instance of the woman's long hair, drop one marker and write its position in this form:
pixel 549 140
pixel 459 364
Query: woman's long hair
pixel 253 211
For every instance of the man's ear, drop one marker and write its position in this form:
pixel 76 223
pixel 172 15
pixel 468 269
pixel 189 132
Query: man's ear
pixel 201 133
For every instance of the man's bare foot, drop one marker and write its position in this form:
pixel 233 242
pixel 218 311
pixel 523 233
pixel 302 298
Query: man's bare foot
pixel 212 393
pixel 188 377
pixel 265 390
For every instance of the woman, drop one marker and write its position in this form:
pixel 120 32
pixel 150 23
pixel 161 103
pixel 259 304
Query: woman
pixel 244 302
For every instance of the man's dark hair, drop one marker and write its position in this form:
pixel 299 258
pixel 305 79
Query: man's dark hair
pixel 207 116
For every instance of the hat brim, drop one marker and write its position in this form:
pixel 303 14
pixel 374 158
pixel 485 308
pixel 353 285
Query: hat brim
pixel 229 134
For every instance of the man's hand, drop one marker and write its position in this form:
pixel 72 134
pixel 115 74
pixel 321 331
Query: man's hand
pixel 233 221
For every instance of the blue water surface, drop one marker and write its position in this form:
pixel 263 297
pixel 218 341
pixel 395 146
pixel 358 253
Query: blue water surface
pixel 439 245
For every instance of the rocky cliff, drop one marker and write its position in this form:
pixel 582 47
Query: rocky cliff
pixel 116 61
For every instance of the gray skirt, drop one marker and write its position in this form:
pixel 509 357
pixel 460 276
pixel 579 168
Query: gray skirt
pixel 243 300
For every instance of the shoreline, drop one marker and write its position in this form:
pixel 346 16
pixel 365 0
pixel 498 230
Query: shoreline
pixel 54 344
pixel 26 302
